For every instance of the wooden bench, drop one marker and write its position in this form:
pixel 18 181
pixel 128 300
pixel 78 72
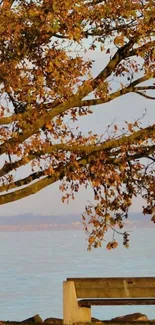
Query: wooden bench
pixel 103 291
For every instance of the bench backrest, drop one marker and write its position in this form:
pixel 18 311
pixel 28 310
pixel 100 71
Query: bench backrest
pixel 139 287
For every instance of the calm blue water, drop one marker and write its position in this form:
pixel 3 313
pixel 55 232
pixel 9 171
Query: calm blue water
pixel 34 264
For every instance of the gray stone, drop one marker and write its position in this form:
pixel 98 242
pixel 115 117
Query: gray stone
pixel 52 320
pixel 33 319
pixel 136 317
pixel 95 320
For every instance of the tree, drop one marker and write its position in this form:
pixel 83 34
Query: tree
pixel 45 80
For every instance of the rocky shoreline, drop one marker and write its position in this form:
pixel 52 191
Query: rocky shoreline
pixel 127 319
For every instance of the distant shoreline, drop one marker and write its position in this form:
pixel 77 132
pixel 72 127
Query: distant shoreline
pixel 29 228
pixel 74 226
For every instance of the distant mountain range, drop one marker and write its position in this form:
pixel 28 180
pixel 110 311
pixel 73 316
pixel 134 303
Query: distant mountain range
pixel 33 219
pixel 26 219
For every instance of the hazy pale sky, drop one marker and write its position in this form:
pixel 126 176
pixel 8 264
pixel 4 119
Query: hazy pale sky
pixel 48 202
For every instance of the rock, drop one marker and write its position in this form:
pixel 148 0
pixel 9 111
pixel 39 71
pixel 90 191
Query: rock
pixel 95 320
pixel 136 317
pixel 34 319
pixel 53 320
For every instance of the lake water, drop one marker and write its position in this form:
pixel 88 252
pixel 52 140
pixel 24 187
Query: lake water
pixel 34 265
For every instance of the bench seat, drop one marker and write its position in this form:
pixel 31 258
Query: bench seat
pixel 115 302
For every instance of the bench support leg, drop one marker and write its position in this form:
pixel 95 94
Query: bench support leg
pixel 72 313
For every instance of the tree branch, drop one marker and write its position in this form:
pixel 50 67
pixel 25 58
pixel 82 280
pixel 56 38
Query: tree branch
pixel 140 49
pixel 145 88
pixel 8 167
pixel 88 149
pixel 59 173
pixel 144 95
pixel 121 92
pixel 73 101
pixel 22 182
pixel 32 189
pixel 26 115
pixel 7 120
pixel 107 145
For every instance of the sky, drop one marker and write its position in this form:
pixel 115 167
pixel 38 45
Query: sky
pixel 127 108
